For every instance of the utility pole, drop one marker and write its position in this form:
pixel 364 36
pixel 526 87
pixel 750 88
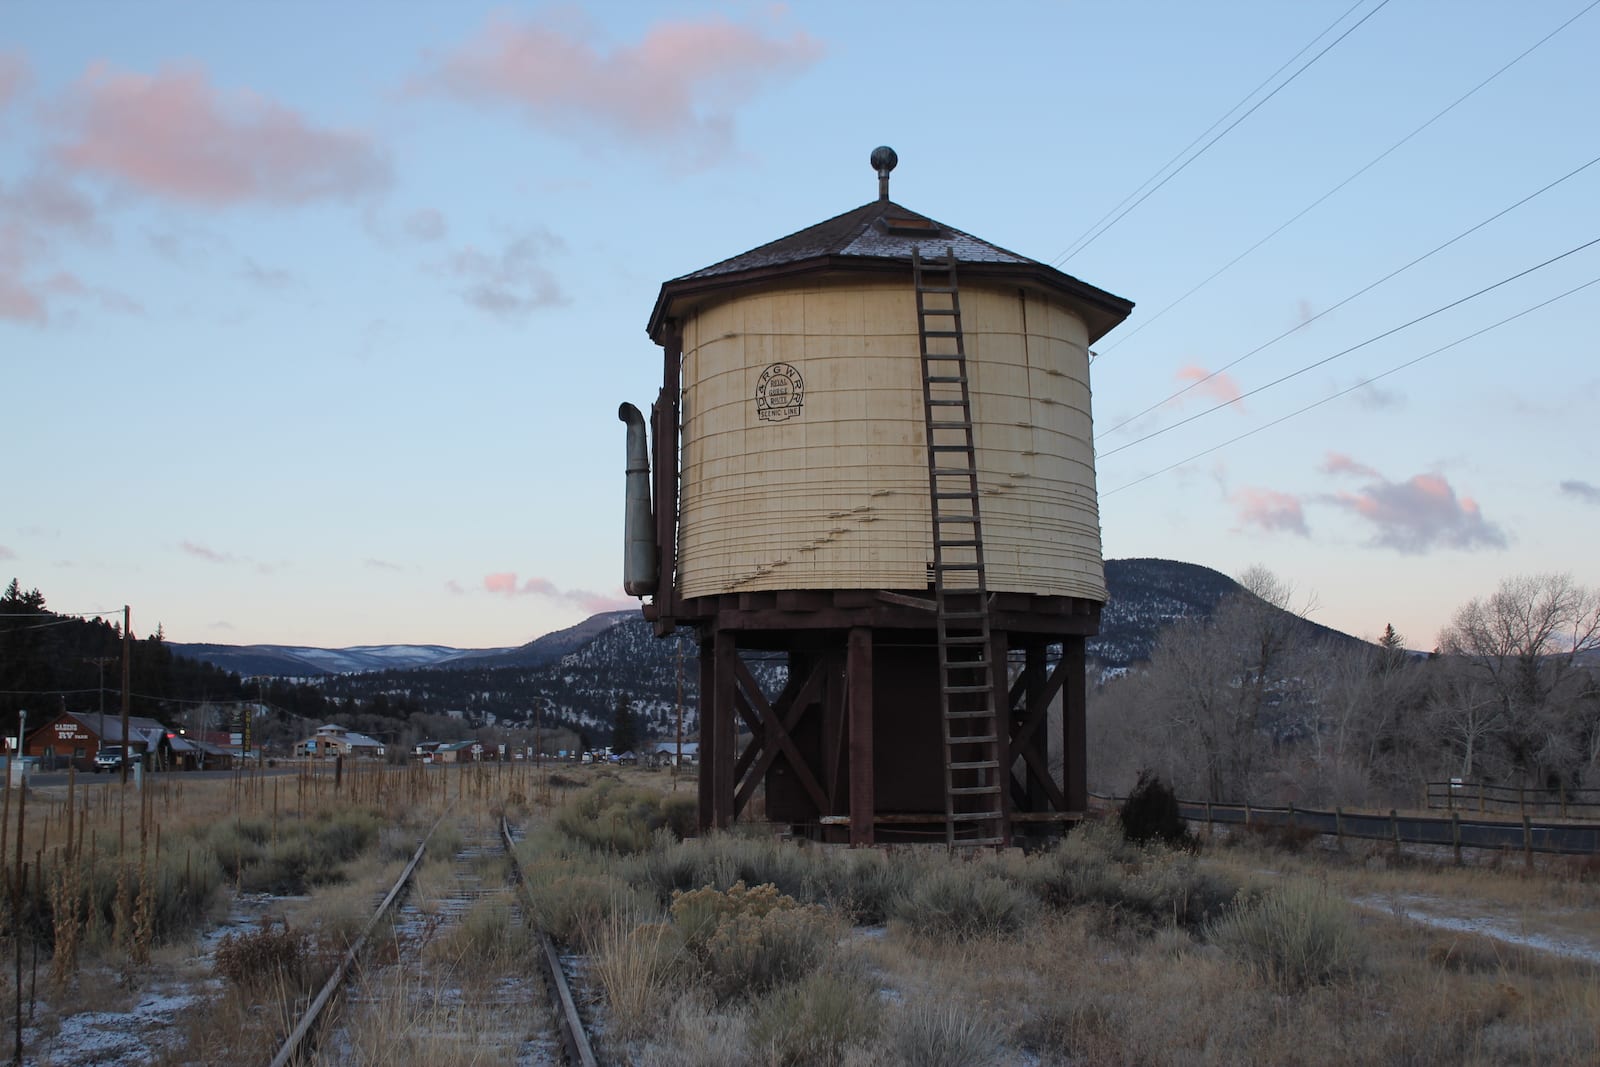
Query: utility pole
pixel 101 661
pixel 127 692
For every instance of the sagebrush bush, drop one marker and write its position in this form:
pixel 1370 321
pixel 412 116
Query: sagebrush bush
pixel 612 817
pixel 1096 865
pixel 818 1021
pixel 961 903
pixel 746 941
pixel 1295 936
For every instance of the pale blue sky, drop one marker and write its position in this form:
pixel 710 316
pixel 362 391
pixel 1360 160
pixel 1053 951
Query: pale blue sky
pixel 314 318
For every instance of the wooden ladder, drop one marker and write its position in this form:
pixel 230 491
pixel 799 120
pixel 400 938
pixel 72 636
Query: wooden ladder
pixel 974 815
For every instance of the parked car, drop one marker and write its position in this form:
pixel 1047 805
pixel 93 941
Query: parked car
pixel 109 758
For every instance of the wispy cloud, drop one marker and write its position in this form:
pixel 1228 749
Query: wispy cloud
pixel 198 551
pixel 1221 386
pixel 505 583
pixel 676 91
pixel 1585 492
pixel 1419 514
pixel 382 565
pixel 1339 463
pixel 14 74
pixel 35 213
pixel 6 553
pixel 173 135
pixel 426 224
pixel 1270 510
pixel 513 281
pixel 274 278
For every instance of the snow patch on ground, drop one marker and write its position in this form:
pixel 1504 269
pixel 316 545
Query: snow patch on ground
pixel 1429 911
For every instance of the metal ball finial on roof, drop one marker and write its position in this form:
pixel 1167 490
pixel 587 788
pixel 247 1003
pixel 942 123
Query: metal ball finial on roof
pixel 883 161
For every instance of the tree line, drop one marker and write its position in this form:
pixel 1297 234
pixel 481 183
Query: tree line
pixel 1250 705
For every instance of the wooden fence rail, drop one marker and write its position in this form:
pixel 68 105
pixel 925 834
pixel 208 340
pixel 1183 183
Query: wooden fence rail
pixel 1525 835
pixel 1460 795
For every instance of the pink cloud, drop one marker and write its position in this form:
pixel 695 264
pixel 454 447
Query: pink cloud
pixel 6 553
pixel 505 583
pixel 1270 510
pixel 68 284
pixel 1221 387
pixel 501 583
pixel 13 76
pixel 1339 463
pixel 678 87
pixel 1420 514
pixel 18 302
pixel 173 135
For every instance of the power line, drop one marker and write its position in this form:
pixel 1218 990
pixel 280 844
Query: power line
pixel 1346 351
pixel 1359 292
pixel 1065 256
pixel 1359 385
pixel 1220 120
pixel 1358 173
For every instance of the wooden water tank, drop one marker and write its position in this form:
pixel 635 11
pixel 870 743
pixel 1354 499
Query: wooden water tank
pixel 826 486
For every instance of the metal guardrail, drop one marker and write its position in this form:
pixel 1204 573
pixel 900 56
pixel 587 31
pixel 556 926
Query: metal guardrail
pixel 1453 831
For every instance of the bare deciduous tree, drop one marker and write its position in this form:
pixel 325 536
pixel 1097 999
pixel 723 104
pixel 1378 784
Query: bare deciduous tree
pixel 1518 677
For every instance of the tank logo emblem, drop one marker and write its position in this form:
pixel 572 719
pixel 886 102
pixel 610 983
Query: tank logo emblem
pixel 779 393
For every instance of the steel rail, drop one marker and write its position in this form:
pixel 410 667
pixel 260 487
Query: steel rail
pixel 573 1036
pixel 295 1043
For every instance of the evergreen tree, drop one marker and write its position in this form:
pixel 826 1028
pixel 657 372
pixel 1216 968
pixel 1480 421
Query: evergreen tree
pixel 624 728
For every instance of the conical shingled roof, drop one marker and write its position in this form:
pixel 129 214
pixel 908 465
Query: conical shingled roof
pixel 880 236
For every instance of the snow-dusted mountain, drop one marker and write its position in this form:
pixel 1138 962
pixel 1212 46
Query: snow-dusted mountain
pixel 576 676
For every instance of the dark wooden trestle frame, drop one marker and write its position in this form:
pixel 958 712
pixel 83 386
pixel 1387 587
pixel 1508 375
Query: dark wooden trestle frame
pixel 828 755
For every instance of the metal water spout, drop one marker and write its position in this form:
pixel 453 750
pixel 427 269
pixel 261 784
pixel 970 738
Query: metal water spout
pixel 639 568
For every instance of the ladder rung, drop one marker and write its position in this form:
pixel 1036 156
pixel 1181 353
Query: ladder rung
pixel 969 543
pixel 946 379
pixel 968 714
pixel 958 518
pixel 955 690
pixel 937 402
pixel 936 288
pixel 973 816
pixel 975 765
pixel 978 842
pixel 948 472
pixel 975 739
pixel 958 567
pixel 950 448
pixel 940 311
pixel 941 333
pixel 974 790
pixel 965 614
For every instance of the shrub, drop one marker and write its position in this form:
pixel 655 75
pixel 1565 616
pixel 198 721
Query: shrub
pixel 932 1033
pixel 816 1021
pixel 746 941
pixel 1295 936
pixel 1151 814
pixel 263 959
pixel 962 903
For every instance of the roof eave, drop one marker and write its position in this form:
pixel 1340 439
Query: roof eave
pixel 1103 311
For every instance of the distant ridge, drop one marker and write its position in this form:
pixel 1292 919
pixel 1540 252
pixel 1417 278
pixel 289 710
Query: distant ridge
pixel 1145 596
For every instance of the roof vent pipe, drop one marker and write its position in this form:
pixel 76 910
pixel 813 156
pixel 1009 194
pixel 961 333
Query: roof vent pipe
pixel 883 161
pixel 639 575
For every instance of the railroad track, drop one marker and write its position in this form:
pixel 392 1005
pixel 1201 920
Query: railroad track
pixel 447 970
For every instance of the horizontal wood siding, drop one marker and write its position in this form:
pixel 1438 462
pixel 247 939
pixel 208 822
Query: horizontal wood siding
pixel 836 496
